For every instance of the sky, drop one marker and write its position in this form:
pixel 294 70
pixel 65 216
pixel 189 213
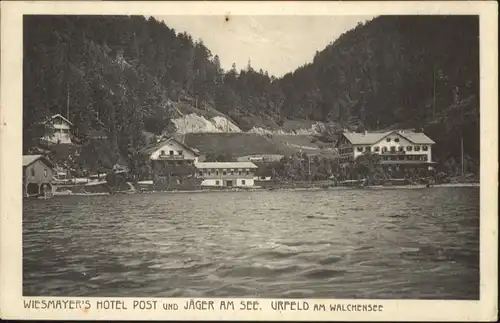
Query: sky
pixel 277 44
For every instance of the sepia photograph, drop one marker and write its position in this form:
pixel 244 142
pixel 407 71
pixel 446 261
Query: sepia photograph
pixel 276 156
pixel 154 165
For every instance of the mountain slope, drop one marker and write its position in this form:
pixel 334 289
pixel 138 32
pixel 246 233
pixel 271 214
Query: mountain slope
pixel 396 71
pixel 127 76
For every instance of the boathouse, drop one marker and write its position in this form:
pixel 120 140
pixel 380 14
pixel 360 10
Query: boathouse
pixel 37 175
pixel 226 174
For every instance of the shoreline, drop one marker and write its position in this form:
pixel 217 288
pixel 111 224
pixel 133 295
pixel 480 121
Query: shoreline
pixel 312 187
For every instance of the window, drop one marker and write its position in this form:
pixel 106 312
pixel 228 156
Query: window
pixel 384 149
pixel 171 153
pixel 242 182
pixel 162 152
pixel 32 172
pixel 396 139
pixel 45 172
pixel 367 149
pixel 393 149
pixel 217 172
pixel 217 183
pixel 388 139
pixel 376 148
pixel 425 148
pixel 224 173
pixel 239 172
pixel 360 149
pixel 417 148
pixel 400 148
pixel 208 173
pixel 179 152
pixel 201 173
pixel 248 172
pixel 232 172
pixel 409 148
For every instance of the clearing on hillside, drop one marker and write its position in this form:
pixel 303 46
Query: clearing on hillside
pixel 234 144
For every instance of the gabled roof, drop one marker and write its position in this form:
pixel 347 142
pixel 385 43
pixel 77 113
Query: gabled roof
pixel 157 145
pixel 57 116
pixel 225 165
pixel 370 138
pixel 30 159
pixel 417 137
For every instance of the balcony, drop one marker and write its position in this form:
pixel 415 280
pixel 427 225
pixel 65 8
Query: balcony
pixel 403 158
pixel 393 152
pixel 171 157
pixel 229 176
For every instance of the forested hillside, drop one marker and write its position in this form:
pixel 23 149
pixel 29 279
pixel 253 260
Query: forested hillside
pixel 123 74
pixel 397 71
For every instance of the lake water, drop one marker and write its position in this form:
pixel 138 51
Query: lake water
pixel 400 244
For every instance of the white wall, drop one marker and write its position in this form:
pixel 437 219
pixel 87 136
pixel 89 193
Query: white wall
pixel 58 137
pixel 61 132
pixel 403 142
pixel 236 182
pixel 63 125
pixel 248 182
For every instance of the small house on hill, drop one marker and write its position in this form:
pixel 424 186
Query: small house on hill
pixel 57 129
pixel 37 175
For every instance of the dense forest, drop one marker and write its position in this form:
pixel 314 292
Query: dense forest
pixel 122 74
pixel 417 72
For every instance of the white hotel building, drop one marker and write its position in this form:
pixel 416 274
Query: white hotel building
pixel 398 148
